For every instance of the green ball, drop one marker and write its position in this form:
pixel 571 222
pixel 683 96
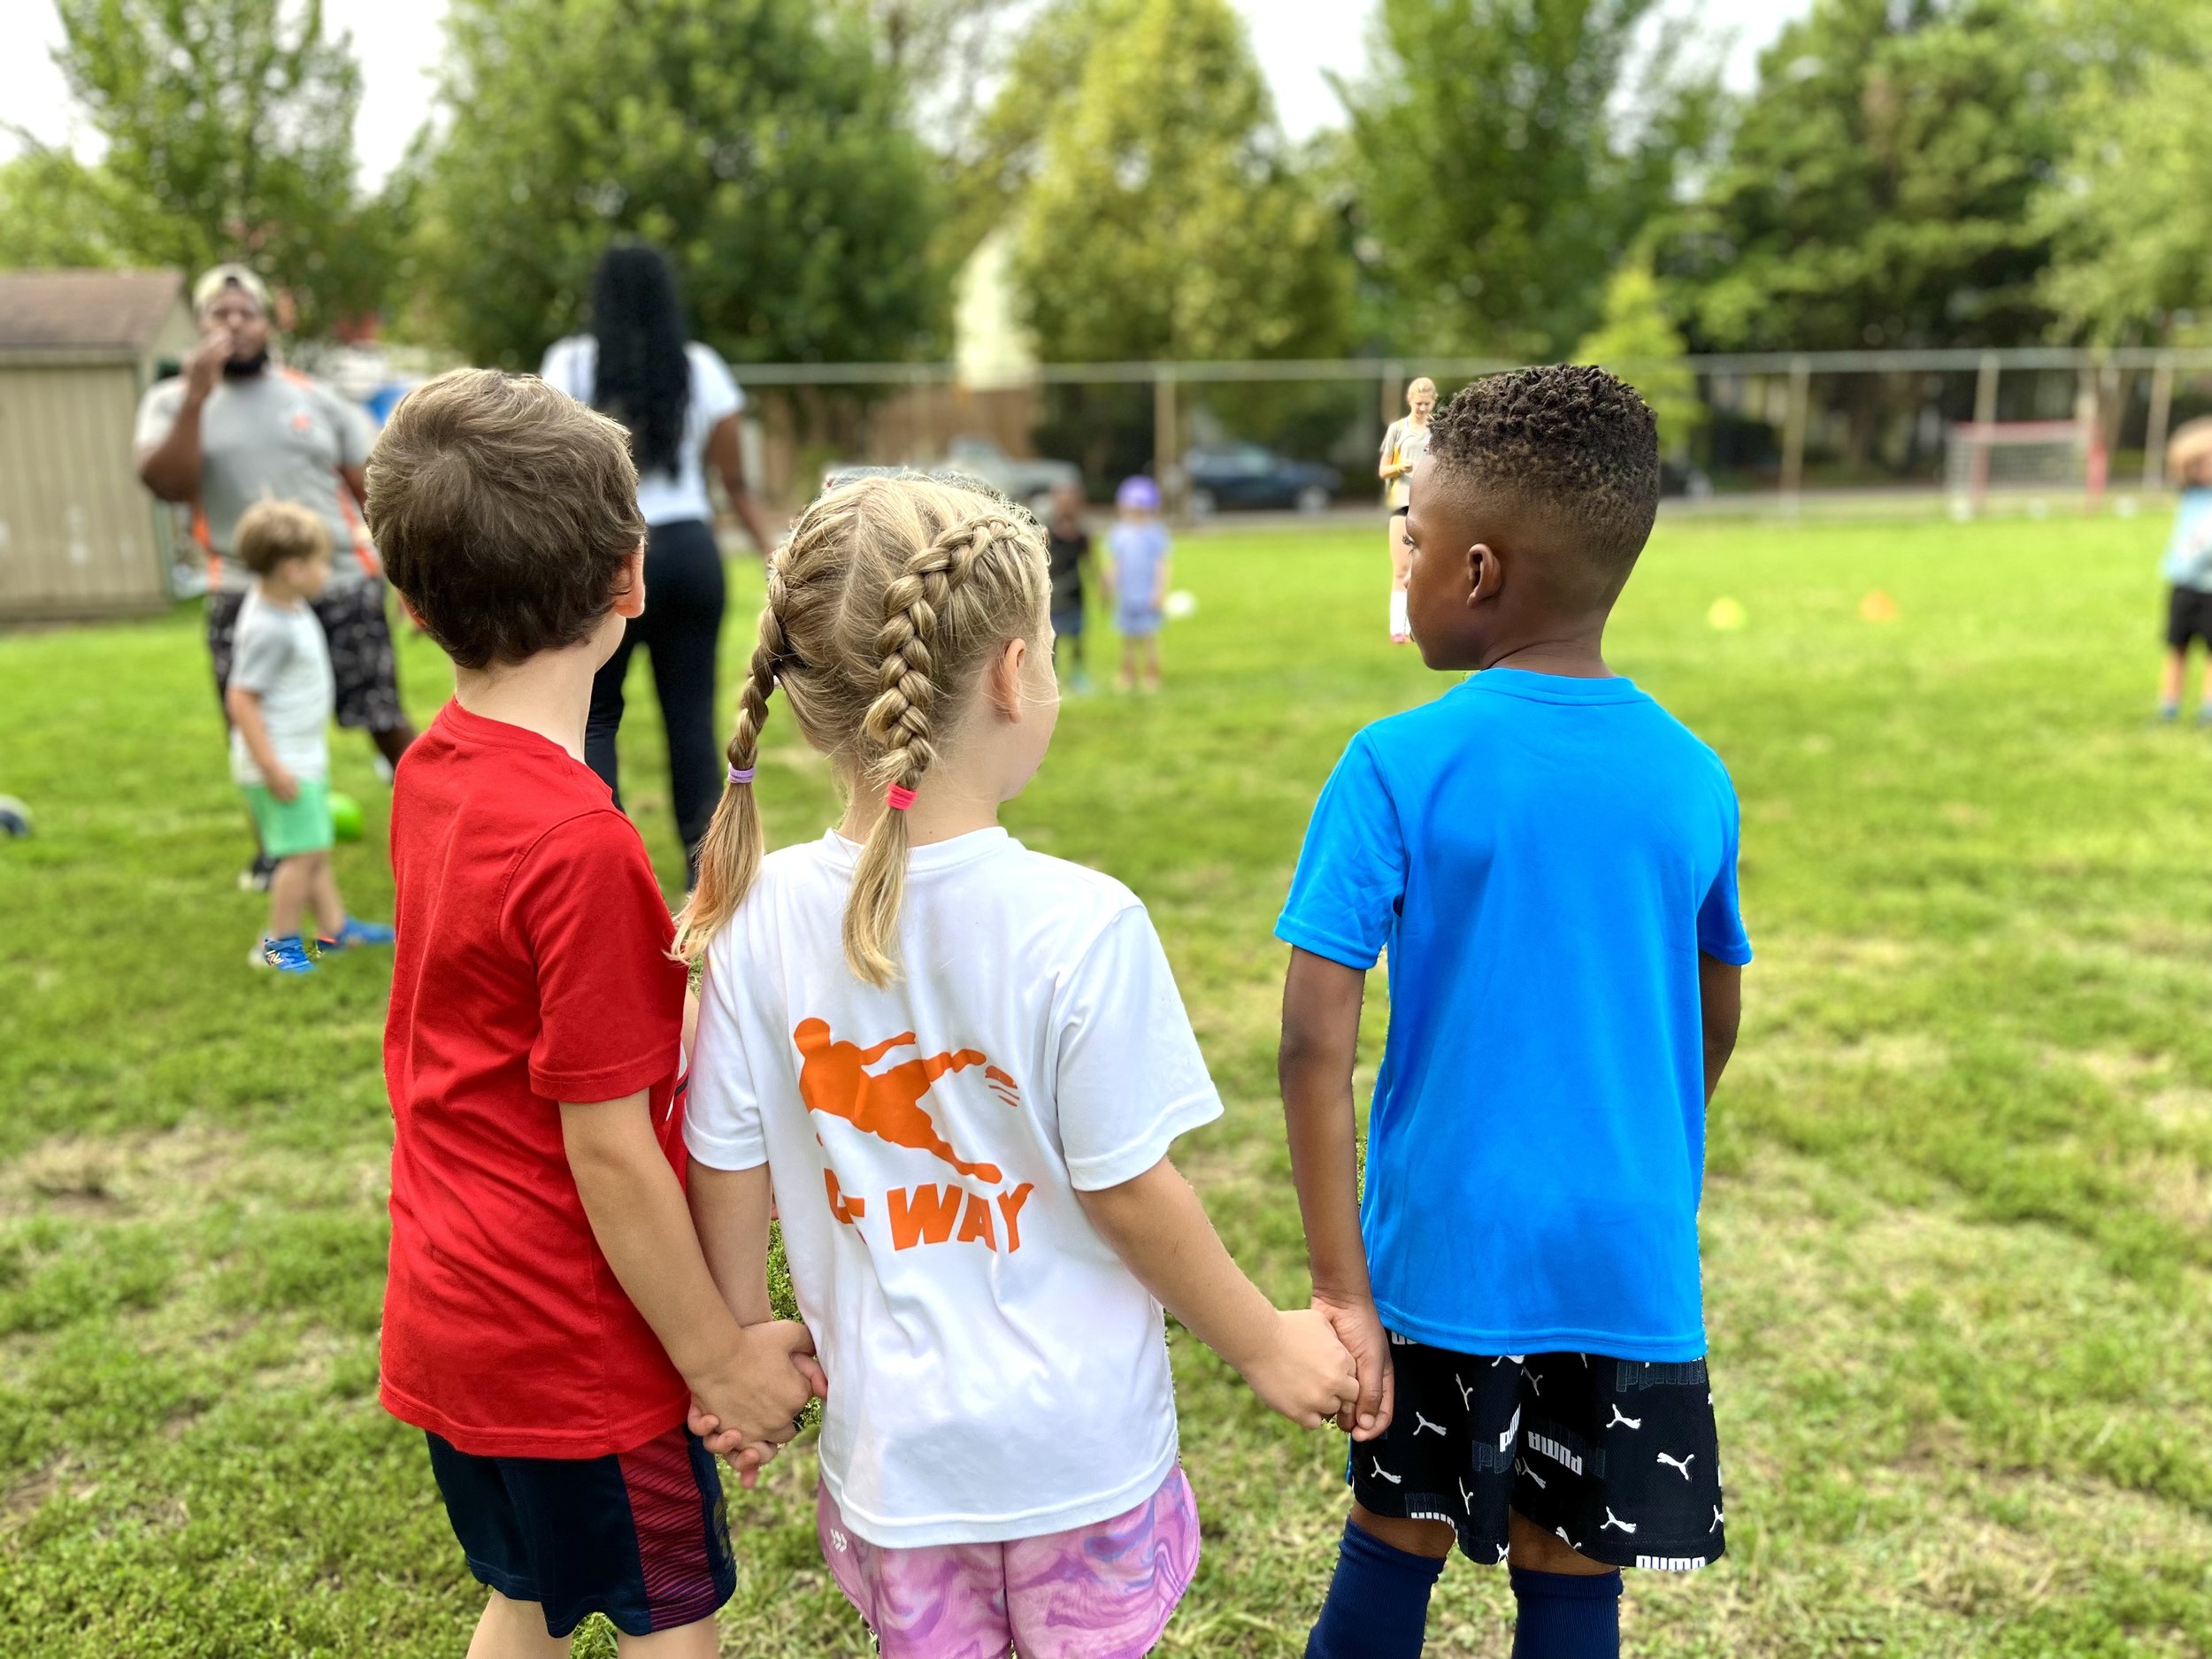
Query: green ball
pixel 345 817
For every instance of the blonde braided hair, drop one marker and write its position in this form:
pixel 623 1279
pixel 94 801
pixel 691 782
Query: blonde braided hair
pixel 882 609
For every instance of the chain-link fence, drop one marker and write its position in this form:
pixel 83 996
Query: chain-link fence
pixel 1811 432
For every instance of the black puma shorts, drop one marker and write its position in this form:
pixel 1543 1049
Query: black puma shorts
pixel 1618 1457
pixel 362 661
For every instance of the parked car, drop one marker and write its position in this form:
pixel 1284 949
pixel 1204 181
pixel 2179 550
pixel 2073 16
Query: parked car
pixel 1029 481
pixel 1230 475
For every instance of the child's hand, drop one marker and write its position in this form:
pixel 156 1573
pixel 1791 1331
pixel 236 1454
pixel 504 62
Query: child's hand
pixel 1305 1373
pixel 281 784
pixel 1359 1328
pixel 755 1399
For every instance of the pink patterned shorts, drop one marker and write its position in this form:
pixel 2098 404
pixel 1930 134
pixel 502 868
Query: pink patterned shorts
pixel 1104 1591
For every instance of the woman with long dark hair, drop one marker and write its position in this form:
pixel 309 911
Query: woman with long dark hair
pixel 640 366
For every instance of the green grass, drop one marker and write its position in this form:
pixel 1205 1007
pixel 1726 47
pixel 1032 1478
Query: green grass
pixel 1958 1231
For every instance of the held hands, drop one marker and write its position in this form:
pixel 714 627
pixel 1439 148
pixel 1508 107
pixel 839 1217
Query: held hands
pixel 1303 1370
pixel 1359 1328
pixel 749 1407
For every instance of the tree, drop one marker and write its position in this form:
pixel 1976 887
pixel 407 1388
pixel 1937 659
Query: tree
pixel 1637 339
pixel 2130 213
pixel 228 130
pixel 1496 175
pixel 762 143
pixel 1879 187
pixel 1167 218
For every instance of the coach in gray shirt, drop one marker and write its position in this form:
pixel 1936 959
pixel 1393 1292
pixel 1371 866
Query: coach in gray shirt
pixel 236 427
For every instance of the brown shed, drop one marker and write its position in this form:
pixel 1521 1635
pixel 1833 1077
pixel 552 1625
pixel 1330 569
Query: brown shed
pixel 79 534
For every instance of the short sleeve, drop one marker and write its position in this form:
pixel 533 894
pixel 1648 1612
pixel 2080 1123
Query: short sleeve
pixel 710 384
pixel 1720 929
pixel 722 1125
pixel 1390 441
pixel 157 413
pixel 258 656
pixel 1131 1078
pixel 584 905
pixel 1351 875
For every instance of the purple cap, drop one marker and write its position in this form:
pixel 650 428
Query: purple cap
pixel 1139 493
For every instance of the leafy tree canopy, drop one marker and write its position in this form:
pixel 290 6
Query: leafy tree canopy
pixel 765 143
pixel 1165 217
pixel 1638 341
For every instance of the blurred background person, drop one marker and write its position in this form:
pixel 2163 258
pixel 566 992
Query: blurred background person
pixel 237 428
pixel 1070 548
pixel 1405 440
pixel 639 365
pixel 2188 568
pixel 1139 554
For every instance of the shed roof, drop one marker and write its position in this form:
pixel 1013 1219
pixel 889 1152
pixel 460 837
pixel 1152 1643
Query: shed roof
pixel 48 311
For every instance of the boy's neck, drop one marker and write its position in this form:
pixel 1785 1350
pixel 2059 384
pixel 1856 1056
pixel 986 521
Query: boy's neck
pixel 270 591
pixel 1573 651
pixel 549 694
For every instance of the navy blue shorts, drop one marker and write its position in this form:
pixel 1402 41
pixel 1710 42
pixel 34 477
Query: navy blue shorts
pixel 640 1536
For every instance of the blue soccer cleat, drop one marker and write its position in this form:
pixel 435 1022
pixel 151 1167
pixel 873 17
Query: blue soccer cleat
pixel 287 955
pixel 358 935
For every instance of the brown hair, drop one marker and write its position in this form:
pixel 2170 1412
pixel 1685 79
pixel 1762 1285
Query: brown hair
pixel 503 510
pixel 270 531
pixel 882 609
pixel 2189 453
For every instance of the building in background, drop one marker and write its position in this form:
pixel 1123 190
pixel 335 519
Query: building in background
pixel 79 534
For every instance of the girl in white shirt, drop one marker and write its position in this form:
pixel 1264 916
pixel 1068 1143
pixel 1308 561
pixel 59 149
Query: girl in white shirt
pixel 964 1063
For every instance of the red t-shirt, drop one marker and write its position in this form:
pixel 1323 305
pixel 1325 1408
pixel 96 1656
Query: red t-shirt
pixel 533 968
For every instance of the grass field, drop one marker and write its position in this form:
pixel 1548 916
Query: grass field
pixel 1958 1228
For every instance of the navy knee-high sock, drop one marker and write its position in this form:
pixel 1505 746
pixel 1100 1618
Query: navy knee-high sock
pixel 1379 1600
pixel 1567 1615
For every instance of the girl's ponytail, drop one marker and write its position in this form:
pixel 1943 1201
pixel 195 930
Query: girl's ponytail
pixel 898 721
pixel 729 856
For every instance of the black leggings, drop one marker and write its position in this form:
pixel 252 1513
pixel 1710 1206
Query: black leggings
pixel 682 627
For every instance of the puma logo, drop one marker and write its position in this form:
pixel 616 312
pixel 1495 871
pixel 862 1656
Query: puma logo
pixel 1503 1551
pixel 1466 1498
pixel 1512 1429
pixel 1535 1383
pixel 833 1080
pixel 1568 1542
pixel 1520 1468
pixel 1384 1474
pixel 1622 1417
pixel 1420 1423
pixel 1466 1395
pixel 1612 1520
pixel 1681 1464
pixel 1718 1519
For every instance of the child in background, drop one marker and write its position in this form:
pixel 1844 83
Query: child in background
pixel 2188 568
pixel 964 1063
pixel 548 1316
pixel 1069 546
pixel 1404 443
pixel 1550 860
pixel 280 700
pixel 1137 581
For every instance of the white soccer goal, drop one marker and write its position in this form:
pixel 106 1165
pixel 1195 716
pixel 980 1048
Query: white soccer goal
pixel 2036 459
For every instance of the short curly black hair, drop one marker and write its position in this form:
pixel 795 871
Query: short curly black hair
pixel 1571 441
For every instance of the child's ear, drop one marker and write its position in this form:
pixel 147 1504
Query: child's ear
pixel 629 598
pixel 1002 685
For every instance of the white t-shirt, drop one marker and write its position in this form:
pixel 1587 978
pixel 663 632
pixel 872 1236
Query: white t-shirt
pixel 663 497
pixel 279 652
pixel 996 1373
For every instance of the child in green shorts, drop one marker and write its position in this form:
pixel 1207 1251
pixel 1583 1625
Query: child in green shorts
pixel 280 700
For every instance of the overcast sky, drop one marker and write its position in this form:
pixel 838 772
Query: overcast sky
pixel 399 40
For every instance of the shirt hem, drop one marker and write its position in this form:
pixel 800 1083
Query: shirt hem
pixel 713 1154
pixel 1000 1529
pixel 1112 1169
pixel 612 1082
pixel 1610 1344
pixel 575 1445
pixel 1737 956
pixel 1337 950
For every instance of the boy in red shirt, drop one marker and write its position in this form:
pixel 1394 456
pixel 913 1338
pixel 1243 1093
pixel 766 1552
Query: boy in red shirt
pixel 549 1317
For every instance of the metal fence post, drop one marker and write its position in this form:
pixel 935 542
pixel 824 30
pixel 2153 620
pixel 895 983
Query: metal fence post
pixel 1167 468
pixel 1794 430
pixel 2161 416
pixel 1986 389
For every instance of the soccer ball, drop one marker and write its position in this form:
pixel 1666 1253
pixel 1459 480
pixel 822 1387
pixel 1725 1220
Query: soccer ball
pixel 345 817
pixel 15 817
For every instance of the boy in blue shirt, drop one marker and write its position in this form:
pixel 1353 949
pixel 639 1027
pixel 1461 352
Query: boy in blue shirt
pixel 2188 567
pixel 1550 860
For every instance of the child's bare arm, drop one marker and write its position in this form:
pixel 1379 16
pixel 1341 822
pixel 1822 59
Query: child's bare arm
pixel 1156 1225
pixel 754 1380
pixel 1720 1000
pixel 1321 1004
pixel 244 708
pixel 729 1211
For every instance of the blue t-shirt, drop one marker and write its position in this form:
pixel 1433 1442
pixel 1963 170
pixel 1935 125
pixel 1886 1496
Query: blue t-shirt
pixel 1137 547
pixel 2189 550
pixel 1544 859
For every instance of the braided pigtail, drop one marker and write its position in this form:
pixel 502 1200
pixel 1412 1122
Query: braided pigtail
pixel 729 856
pixel 899 722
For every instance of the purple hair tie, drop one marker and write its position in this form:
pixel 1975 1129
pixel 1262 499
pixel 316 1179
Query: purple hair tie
pixel 741 774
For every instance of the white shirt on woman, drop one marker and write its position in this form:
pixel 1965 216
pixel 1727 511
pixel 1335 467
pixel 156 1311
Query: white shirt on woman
pixel 663 497
pixel 995 1370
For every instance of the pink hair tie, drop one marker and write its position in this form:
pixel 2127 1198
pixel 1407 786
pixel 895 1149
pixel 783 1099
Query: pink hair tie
pixel 899 797
pixel 740 774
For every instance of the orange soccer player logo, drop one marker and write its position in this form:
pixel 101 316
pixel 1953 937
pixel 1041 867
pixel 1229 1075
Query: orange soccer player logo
pixel 833 1079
